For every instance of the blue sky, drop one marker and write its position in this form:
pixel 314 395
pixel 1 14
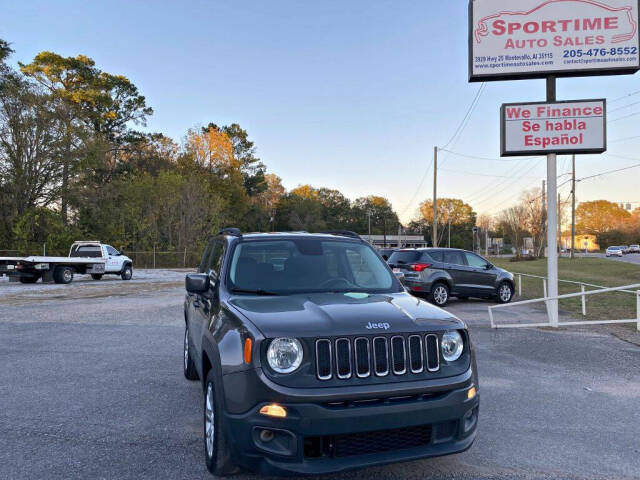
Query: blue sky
pixel 350 95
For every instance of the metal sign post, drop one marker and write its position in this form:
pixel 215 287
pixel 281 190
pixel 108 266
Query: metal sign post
pixel 552 220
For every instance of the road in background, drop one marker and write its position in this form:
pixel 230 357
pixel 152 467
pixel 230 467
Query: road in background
pixel 629 258
pixel 92 387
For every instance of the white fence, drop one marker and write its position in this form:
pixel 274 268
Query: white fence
pixel 582 294
pixel 635 288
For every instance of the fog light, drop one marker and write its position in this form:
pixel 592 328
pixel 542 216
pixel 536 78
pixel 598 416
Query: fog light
pixel 266 435
pixel 471 393
pixel 273 410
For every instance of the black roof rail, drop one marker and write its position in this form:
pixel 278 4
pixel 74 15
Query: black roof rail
pixel 343 233
pixel 230 231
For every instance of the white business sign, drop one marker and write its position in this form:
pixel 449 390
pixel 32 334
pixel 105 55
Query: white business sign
pixel 574 126
pixel 536 38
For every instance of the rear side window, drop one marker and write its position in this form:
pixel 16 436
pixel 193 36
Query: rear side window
pixel 475 261
pixel 437 256
pixel 454 258
pixel 91 251
pixel 405 258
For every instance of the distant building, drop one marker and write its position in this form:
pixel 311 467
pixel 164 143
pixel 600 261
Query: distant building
pixel 583 242
pixel 396 241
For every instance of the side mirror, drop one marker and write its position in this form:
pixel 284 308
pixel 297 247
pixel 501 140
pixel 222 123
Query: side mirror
pixel 197 282
pixel 488 266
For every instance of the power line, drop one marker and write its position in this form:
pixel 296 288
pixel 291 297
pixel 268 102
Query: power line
pixel 623 107
pixel 467 115
pixel 622 118
pixel 476 157
pixel 624 96
pixel 608 172
pixel 476 174
pixel 457 133
pixel 624 139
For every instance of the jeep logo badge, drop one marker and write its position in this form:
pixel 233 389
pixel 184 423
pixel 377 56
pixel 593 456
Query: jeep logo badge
pixel 376 326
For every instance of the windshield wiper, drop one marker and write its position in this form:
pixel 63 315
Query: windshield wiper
pixel 257 291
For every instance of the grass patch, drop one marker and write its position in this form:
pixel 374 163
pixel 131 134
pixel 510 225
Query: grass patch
pixel 597 271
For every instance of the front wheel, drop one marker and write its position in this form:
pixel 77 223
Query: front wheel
pixel 127 272
pixel 216 450
pixel 189 367
pixel 505 292
pixel 439 294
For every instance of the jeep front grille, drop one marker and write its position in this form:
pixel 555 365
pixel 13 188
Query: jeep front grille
pixel 379 356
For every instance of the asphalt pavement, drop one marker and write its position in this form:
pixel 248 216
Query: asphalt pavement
pixel 92 387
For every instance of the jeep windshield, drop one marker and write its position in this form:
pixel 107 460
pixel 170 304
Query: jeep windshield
pixel 308 265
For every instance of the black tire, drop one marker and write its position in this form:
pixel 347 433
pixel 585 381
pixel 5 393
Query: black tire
pixel 96 276
pixel 127 272
pixel 29 279
pixel 218 454
pixel 188 366
pixel 439 294
pixel 63 275
pixel 505 292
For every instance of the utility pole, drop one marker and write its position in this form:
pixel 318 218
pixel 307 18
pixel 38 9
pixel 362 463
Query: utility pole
pixel 435 197
pixel 552 220
pixel 573 204
pixel 559 239
pixel 486 241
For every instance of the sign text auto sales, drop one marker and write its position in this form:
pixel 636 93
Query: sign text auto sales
pixel 556 127
pixel 533 38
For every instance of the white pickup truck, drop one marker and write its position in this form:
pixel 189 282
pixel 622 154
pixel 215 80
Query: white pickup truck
pixel 90 257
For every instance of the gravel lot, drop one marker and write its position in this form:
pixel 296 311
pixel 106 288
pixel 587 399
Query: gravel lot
pixel 92 387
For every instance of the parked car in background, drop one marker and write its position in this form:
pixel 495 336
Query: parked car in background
pixel 115 261
pixel 85 258
pixel 634 249
pixel 440 273
pixel 616 251
pixel 385 253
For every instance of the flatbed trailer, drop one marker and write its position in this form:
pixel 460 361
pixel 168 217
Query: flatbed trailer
pixel 49 269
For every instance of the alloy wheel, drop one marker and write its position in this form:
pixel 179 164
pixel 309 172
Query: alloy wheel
pixel 440 295
pixel 209 421
pixel 505 293
pixel 186 348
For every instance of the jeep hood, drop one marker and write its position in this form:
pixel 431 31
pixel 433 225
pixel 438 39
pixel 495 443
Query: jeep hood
pixel 333 314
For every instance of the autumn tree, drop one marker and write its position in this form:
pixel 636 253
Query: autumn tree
pixel 253 170
pixel 599 216
pixel 87 98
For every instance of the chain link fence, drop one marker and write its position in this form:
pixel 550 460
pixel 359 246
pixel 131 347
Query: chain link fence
pixel 160 259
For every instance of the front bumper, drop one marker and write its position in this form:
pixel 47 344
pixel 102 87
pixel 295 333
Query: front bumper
pixel 308 439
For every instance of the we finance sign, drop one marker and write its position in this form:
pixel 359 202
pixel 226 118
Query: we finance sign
pixel 541 128
pixel 535 38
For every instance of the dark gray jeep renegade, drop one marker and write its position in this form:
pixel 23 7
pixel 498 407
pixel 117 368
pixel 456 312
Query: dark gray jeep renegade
pixel 313 358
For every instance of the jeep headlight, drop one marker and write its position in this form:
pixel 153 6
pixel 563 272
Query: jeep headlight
pixel 452 346
pixel 284 355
